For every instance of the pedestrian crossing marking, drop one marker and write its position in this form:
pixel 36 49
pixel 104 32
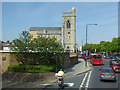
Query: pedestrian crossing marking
pixel 68 84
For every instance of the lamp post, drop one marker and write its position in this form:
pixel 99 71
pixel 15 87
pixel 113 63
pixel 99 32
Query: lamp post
pixel 86 41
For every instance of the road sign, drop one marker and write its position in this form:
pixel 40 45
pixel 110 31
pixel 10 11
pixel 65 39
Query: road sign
pixel 3 57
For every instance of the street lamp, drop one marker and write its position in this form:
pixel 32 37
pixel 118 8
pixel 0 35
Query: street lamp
pixel 86 41
pixel 86 34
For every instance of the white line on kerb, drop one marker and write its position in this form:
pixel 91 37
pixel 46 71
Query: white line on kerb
pixel 88 81
pixel 81 85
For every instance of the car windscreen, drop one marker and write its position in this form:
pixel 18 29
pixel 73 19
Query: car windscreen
pixel 117 65
pixel 107 71
pixel 97 57
pixel 113 57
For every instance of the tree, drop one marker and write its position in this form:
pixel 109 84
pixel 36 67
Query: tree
pixel 48 47
pixel 22 46
pixel 36 51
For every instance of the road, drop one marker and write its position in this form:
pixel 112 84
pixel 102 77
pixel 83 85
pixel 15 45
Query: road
pixel 89 80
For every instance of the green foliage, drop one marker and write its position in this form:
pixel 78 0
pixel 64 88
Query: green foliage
pixel 104 46
pixel 32 68
pixel 36 51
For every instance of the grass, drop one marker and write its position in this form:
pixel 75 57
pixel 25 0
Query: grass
pixel 32 68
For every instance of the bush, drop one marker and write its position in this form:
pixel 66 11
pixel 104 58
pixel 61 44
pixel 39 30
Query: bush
pixel 32 68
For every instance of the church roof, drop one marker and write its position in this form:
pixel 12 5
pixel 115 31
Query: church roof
pixel 45 28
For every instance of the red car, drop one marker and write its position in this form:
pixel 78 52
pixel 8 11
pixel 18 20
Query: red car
pixel 116 67
pixel 107 57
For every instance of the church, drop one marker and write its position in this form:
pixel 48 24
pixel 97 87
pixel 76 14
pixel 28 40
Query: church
pixel 65 34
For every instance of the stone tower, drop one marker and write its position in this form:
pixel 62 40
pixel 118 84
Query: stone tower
pixel 69 30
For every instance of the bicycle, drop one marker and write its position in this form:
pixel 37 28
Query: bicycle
pixel 60 80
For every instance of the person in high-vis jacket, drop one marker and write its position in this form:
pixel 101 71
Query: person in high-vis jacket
pixel 60 75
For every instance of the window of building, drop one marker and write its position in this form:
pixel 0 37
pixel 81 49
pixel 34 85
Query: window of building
pixel 46 31
pixel 48 35
pixel 68 24
pixel 68 32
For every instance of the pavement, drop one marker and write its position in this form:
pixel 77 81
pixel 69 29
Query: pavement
pixel 78 68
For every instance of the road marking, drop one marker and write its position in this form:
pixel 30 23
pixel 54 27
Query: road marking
pixel 46 84
pixel 81 85
pixel 69 84
pixel 88 81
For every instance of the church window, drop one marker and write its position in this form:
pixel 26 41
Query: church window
pixel 68 24
pixel 49 36
pixel 46 31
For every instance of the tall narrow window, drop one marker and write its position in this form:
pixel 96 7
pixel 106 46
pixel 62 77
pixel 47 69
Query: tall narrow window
pixel 48 35
pixel 68 24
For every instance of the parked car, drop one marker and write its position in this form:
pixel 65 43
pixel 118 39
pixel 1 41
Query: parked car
pixel 113 61
pixel 107 73
pixel 116 67
pixel 107 57
pixel 113 57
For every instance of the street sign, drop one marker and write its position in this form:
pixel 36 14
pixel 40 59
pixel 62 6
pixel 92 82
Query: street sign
pixel 84 52
pixel 3 57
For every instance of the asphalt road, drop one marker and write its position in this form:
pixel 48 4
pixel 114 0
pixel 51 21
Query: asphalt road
pixel 90 81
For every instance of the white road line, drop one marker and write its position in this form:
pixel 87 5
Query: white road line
pixel 87 84
pixel 69 84
pixel 46 84
pixel 81 85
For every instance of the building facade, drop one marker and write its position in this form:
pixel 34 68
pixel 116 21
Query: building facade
pixel 4 45
pixel 65 34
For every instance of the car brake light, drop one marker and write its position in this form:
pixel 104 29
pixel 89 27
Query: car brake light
pixel 102 74
pixel 113 74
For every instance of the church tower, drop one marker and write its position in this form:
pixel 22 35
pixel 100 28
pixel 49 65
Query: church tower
pixel 69 30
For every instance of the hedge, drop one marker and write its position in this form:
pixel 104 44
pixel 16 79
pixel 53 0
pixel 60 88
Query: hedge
pixel 32 68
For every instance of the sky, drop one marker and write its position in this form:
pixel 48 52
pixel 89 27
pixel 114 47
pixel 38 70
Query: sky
pixel 20 16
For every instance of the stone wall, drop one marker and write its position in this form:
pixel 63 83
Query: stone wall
pixel 9 60
pixel 68 60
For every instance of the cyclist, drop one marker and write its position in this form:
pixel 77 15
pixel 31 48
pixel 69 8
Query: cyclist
pixel 60 75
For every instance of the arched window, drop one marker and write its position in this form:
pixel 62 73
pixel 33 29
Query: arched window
pixel 68 24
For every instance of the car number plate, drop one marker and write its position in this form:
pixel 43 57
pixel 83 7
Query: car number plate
pixel 107 75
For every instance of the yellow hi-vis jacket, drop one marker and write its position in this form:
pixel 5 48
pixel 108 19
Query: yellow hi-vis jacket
pixel 60 73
